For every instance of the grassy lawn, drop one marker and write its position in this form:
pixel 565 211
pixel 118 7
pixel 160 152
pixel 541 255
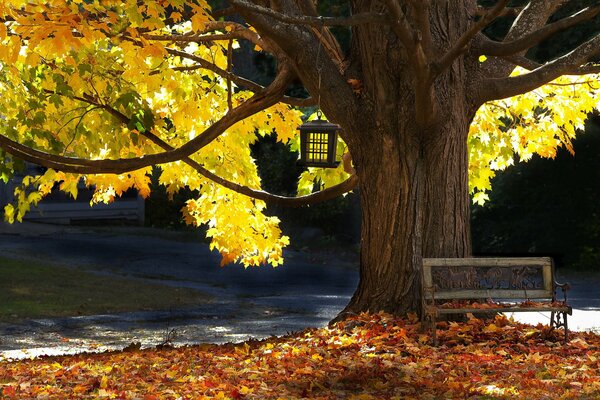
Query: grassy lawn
pixel 29 290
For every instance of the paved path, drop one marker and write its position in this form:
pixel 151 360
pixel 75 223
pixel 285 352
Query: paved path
pixel 307 291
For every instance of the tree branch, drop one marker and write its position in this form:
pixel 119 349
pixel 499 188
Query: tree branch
pixel 312 198
pixel 572 63
pixel 493 48
pixel 422 19
pixel 522 61
pixel 507 12
pixel 531 65
pixel 238 80
pixel 401 27
pixel 532 17
pixel 335 94
pixel 461 45
pixel 61 163
pixel 234 30
pixel 256 103
pixel 357 19
pixel 229 66
pixel 324 35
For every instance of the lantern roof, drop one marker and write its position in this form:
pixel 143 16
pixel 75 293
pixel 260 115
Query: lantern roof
pixel 319 125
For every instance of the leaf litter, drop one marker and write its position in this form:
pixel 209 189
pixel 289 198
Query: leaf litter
pixel 369 356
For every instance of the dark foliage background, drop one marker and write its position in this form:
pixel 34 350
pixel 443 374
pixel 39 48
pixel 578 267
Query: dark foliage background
pixel 546 207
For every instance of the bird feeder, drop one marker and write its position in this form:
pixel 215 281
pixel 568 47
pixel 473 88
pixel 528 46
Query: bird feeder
pixel 318 142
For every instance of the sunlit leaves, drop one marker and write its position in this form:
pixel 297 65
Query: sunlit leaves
pixel 365 357
pixel 96 80
pixel 537 122
pixel 121 79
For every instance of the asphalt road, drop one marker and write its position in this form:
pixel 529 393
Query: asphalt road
pixel 308 291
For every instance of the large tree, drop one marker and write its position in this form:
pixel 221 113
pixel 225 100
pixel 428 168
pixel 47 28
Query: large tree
pixel 106 89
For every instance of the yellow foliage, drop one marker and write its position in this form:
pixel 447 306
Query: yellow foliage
pixel 67 82
pixel 538 122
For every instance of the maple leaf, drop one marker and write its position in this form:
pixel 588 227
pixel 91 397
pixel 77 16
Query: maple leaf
pixel 356 85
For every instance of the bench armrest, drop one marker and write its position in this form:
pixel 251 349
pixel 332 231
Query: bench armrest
pixel 564 287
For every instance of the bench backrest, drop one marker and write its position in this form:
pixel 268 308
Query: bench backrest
pixel 481 278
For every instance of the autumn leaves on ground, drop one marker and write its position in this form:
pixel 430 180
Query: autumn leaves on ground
pixel 366 357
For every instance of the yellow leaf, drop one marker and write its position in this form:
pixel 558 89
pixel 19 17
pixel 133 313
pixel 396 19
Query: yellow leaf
pixel 70 186
pixel 9 213
pixel 491 328
pixel 176 16
pixel 244 390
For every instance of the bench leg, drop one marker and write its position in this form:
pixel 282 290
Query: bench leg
pixel 559 319
pixel 566 329
pixel 430 324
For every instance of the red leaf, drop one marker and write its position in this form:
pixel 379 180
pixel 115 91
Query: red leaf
pixel 9 391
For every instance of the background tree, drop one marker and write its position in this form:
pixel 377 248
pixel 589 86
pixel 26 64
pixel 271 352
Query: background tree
pixel 107 89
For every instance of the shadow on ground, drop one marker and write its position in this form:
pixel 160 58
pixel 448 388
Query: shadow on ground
pixel 308 291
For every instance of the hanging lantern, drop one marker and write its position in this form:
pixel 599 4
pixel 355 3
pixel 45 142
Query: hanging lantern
pixel 318 142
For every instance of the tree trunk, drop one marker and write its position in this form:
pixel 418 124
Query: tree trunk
pixel 410 152
pixel 415 203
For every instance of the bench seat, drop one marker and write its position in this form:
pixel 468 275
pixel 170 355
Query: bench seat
pixel 524 284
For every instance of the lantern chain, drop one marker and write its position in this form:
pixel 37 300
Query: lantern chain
pixel 319 67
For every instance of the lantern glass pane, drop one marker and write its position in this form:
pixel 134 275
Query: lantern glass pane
pixel 317 147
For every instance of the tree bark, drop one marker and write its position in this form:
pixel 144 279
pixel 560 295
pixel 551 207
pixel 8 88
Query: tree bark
pixel 415 203
pixel 412 164
pixel 406 129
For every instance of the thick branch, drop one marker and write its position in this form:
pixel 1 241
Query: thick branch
pixel 59 163
pixel 402 28
pixel 256 103
pixel 336 97
pixel 312 198
pixel 571 63
pixel 461 45
pixel 532 17
pixel 357 19
pixel 422 18
pixel 531 39
pixel 507 12
pixel 324 35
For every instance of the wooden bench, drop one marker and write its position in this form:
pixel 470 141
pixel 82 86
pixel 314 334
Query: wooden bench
pixel 484 285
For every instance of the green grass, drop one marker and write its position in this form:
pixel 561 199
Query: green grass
pixel 32 290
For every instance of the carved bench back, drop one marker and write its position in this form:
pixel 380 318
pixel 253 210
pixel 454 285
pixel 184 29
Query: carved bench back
pixel 481 278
